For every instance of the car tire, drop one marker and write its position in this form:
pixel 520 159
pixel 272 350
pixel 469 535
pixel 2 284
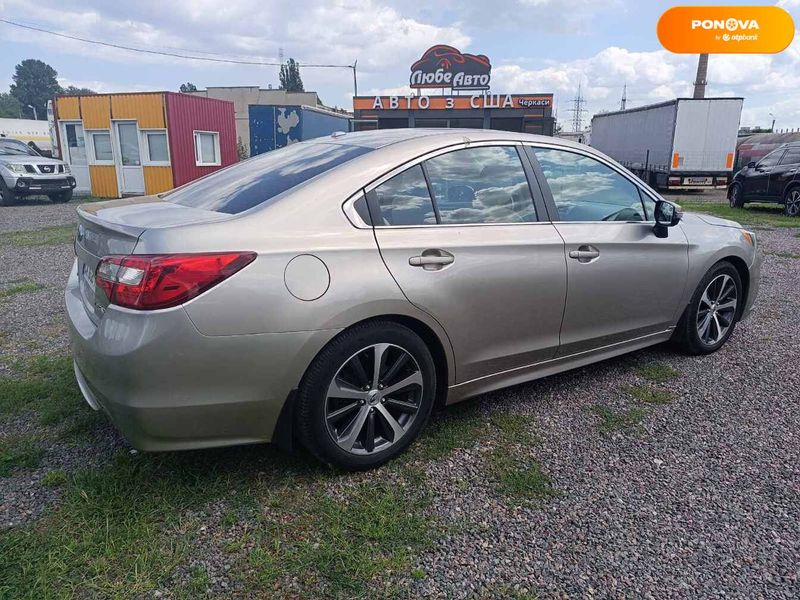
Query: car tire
pixel 7 196
pixel 353 431
pixel 736 196
pixel 791 202
pixel 61 197
pixel 709 319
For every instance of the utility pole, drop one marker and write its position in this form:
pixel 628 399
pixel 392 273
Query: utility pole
pixel 577 110
pixel 700 80
pixel 280 60
pixel 355 80
pixel 624 100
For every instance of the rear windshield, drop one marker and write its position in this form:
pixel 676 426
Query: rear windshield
pixel 259 179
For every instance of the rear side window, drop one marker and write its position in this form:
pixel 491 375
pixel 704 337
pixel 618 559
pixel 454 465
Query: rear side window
pixel 792 156
pixel 403 200
pixel 585 189
pixel 481 185
pixel 255 181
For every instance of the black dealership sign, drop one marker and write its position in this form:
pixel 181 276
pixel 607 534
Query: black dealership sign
pixel 446 67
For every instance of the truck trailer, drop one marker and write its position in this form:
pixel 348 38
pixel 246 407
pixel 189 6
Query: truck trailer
pixel 685 143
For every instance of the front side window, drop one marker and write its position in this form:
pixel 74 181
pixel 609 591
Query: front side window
pixel 206 146
pixel 792 156
pixel 403 200
pixel 584 189
pixel 771 159
pixel 257 180
pixel 486 184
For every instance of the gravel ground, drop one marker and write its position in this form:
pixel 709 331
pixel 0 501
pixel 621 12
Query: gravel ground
pixel 701 500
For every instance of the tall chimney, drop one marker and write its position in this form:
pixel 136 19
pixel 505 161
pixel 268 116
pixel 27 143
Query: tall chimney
pixel 700 79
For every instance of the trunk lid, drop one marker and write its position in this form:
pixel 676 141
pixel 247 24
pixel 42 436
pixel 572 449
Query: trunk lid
pixel 114 228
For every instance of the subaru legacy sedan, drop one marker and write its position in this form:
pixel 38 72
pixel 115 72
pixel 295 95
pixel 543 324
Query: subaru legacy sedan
pixel 335 291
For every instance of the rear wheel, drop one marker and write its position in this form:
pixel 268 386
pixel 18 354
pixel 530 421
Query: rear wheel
pixel 61 197
pixel 366 396
pixel 791 202
pixel 710 318
pixel 736 196
pixel 7 197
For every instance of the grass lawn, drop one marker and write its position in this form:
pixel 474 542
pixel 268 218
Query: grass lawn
pixel 764 215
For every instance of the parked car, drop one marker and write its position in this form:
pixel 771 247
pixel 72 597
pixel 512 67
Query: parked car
pixel 774 178
pixel 24 172
pixel 336 290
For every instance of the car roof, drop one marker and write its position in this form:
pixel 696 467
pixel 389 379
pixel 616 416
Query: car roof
pixel 381 138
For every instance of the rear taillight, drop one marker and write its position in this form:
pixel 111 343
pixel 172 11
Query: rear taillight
pixel 151 281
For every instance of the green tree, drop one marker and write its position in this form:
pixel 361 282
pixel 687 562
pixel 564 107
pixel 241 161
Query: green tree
pixel 34 84
pixel 71 90
pixel 9 107
pixel 188 87
pixel 290 77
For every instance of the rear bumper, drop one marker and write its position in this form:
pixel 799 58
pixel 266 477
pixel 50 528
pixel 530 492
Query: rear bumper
pixel 168 387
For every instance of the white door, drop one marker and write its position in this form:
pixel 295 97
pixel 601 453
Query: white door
pixel 74 153
pixel 129 160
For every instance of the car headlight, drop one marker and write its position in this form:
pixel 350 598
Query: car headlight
pixel 16 167
pixel 749 237
pixel 66 168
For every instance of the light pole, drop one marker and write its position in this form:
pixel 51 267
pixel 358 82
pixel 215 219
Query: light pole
pixel 33 108
pixel 772 127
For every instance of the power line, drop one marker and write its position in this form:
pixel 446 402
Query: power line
pixel 170 54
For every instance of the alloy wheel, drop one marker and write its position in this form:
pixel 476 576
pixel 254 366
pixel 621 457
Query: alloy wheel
pixel 373 399
pixel 734 197
pixel 717 309
pixel 793 203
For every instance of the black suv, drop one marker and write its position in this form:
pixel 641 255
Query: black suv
pixel 775 178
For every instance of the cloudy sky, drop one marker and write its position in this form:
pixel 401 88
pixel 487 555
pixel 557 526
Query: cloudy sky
pixel 534 46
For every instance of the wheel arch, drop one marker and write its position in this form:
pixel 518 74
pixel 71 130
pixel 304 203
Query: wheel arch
pixel 744 275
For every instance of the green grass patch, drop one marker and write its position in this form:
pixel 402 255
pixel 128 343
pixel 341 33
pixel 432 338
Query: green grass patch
pixel 785 255
pixel 54 479
pixel 612 420
pixel 341 543
pixel 19 452
pixel 649 395
pixel 657 372
pixel 46 236
pixel 517 478
pixel 514 473
pixel 752 214
pixel 116 533
pixel 26 287
pixel 47 385
pixel 457 427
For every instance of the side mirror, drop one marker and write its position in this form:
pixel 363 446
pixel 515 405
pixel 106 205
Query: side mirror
pixel 667 214
pixel 751 164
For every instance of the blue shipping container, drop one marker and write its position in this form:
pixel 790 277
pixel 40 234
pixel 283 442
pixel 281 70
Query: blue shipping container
pixel 274 127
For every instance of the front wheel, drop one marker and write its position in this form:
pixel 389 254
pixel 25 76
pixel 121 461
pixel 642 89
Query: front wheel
pixel 710 318
pixel 736 196
pixel 366 396
pixel 7 197
pixel 791 202
pixel 61 197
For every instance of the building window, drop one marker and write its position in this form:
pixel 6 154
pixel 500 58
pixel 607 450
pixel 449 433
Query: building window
pixel 206 148
pixel 100 150
pixel 156 148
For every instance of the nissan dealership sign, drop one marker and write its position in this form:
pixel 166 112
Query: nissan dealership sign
pixel 446 67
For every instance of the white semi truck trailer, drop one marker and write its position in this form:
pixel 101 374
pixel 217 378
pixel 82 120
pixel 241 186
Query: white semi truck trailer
pixel 681 144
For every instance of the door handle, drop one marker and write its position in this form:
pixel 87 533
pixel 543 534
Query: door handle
pixel 584 254
pixel 432 260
